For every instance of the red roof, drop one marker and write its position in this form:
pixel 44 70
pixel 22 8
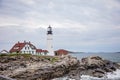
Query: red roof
pixel 61 52
pixel 38 50
pixel 44 51
pixel 18 46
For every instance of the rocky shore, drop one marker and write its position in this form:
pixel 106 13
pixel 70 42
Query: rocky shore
pixel 36 68
pixel 93 66
pixel 22 67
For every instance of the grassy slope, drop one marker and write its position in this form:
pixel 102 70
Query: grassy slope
pixel 52 59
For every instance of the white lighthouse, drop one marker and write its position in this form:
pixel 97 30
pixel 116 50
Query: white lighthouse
pixel 49 41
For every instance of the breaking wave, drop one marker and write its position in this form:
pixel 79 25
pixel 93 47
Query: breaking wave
pixel 109 76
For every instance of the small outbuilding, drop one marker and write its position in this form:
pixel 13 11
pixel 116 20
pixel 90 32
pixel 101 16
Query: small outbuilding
pixel 61 52
pixel 41 52
pixel 4 52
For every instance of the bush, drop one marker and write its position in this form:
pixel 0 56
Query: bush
pixel 3 54
pixel 16 54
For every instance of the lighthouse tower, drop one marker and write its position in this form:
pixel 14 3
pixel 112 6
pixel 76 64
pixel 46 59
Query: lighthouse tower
pixel 49 41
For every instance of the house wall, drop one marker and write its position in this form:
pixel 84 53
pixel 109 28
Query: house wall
pixel 27 49
pixel 41 53
pixel 38 53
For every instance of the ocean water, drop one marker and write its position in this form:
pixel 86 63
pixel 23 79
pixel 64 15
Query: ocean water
pixel 112 56
pixel 109 56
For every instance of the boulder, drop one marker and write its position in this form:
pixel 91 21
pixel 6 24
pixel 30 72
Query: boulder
pixel 46 68
pixel 34 67
pixel 93 62
pixel 5 78
pixel 96 66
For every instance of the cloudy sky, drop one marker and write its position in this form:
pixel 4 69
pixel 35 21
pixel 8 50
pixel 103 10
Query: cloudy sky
pixel 78 25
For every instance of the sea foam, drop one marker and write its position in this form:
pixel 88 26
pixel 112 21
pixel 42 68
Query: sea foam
pixel 109 76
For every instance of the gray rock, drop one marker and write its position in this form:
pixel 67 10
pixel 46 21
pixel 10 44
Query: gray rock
pixel 96 66
pixel 64 66
pixel 5 78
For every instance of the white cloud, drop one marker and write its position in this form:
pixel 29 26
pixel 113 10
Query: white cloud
pixel 28 2
pixel 8 20
pixel 82 22
pixel 112 4
pixel 51 5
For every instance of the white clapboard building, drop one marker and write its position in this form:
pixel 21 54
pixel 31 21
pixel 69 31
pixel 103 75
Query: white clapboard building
pixel 27 47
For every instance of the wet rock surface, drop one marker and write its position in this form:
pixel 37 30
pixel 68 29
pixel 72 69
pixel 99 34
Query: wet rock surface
pixel 5 78
pixel 94 66
pixel 36 68
pixel 46 68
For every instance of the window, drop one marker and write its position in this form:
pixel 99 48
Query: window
pixel 25 48
pixel 32 51
pixel 16 47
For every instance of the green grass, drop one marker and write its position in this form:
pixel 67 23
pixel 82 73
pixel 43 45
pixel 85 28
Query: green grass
pixel 52 59
pixel 15 54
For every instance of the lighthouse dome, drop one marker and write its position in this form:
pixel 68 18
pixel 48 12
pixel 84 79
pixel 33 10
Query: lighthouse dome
pixel 49 30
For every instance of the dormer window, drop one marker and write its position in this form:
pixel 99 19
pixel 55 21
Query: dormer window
pixel 32 47
pixel 25 48
pixel 16 47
